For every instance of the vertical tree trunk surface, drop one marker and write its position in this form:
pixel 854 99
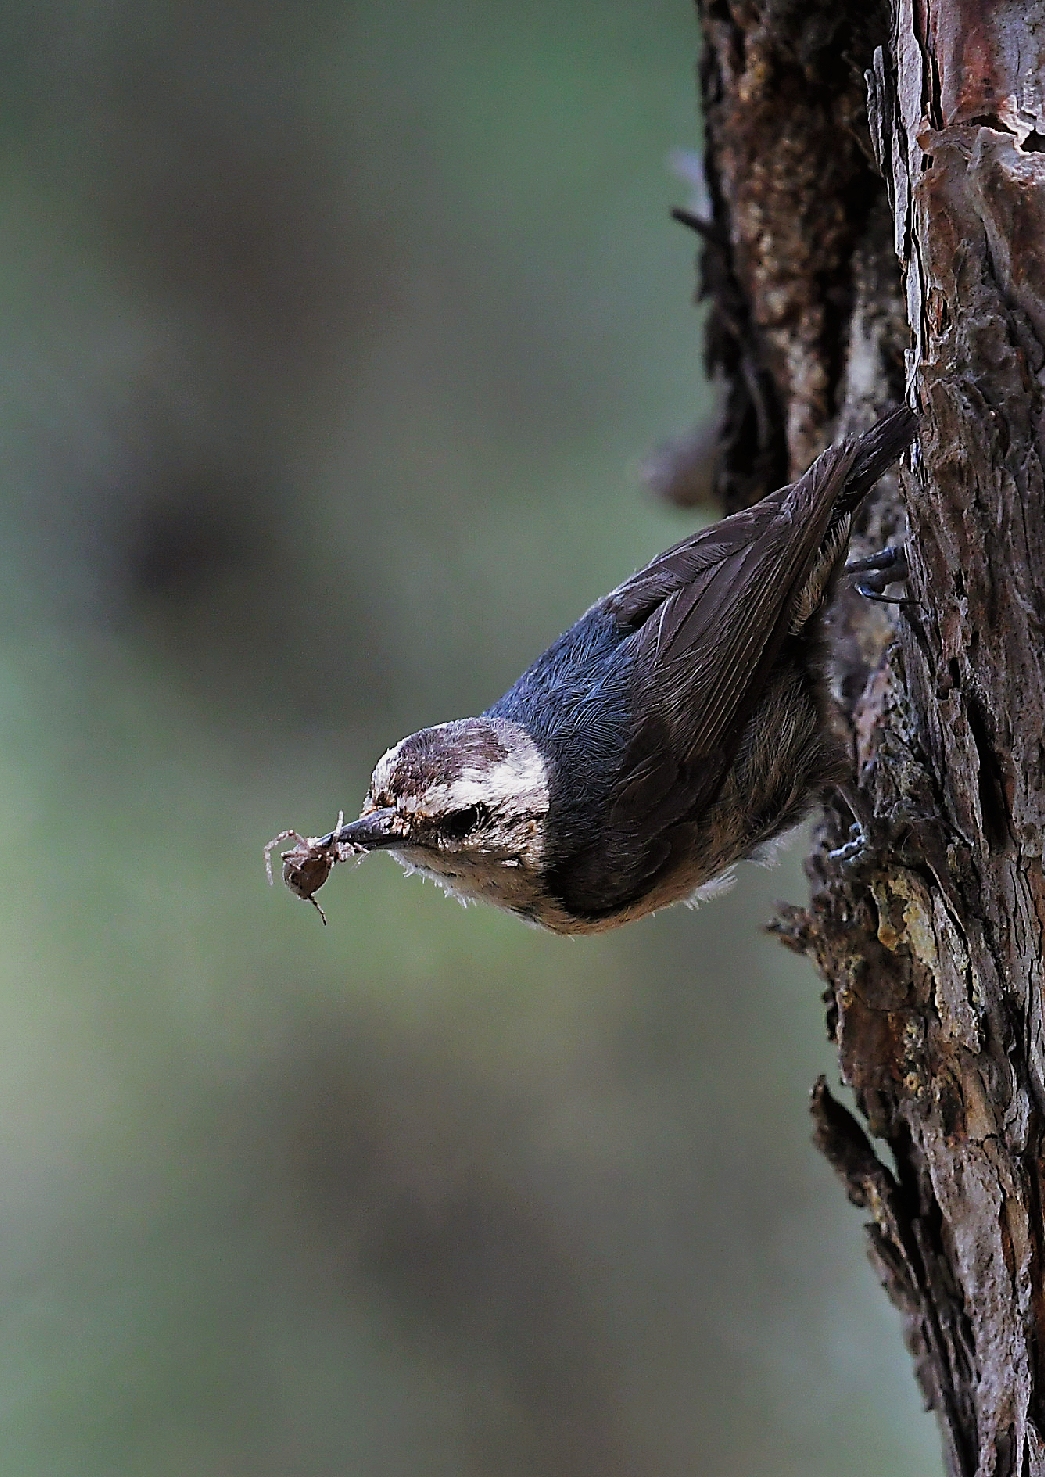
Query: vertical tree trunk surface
pixel 879 237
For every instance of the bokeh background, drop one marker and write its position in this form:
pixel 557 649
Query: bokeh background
pixel 334 336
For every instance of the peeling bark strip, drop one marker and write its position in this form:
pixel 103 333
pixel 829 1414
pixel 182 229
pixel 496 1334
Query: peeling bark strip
pixel 933 948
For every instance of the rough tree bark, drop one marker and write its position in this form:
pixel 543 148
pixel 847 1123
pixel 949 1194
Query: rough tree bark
pixel 876 237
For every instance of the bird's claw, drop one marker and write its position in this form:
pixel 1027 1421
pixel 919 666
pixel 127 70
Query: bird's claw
pixel 887 567
pixel 853 849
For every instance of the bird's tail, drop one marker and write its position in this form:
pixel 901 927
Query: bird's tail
pixel 876 451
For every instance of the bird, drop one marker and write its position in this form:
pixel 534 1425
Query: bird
pixel 681 725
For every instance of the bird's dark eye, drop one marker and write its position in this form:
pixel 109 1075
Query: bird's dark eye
pixel 458 825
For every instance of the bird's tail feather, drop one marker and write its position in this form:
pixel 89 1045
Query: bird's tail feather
pixel 876 451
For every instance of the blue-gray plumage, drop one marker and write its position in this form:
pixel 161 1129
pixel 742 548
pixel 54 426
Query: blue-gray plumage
pixel 678 727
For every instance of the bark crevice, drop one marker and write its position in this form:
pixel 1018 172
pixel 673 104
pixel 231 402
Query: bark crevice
pixel 848 291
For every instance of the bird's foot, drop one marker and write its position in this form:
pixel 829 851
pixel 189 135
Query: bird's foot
pixel 887 567
pixel 869 834
pixel 852 850
pixel 903 837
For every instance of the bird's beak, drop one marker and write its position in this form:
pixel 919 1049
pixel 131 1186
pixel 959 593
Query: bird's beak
pixel 373 829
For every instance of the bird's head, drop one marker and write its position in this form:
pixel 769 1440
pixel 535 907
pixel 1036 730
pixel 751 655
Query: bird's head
pixel 465 803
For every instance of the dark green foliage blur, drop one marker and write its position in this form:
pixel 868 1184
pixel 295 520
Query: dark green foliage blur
pixel 333 338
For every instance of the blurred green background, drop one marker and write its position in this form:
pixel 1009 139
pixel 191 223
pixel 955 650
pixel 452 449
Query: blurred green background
pixel 333 339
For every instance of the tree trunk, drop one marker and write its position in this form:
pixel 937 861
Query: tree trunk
pixel 835 292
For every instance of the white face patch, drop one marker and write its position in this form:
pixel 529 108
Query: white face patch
pixel 520 779
pixel 473 761
pixel 382 776
pixel 440 773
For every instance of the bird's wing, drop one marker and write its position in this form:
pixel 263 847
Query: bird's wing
pixel 729 595
pixel 707 618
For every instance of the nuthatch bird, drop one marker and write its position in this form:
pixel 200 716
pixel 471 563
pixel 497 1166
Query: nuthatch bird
pixel 681 725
